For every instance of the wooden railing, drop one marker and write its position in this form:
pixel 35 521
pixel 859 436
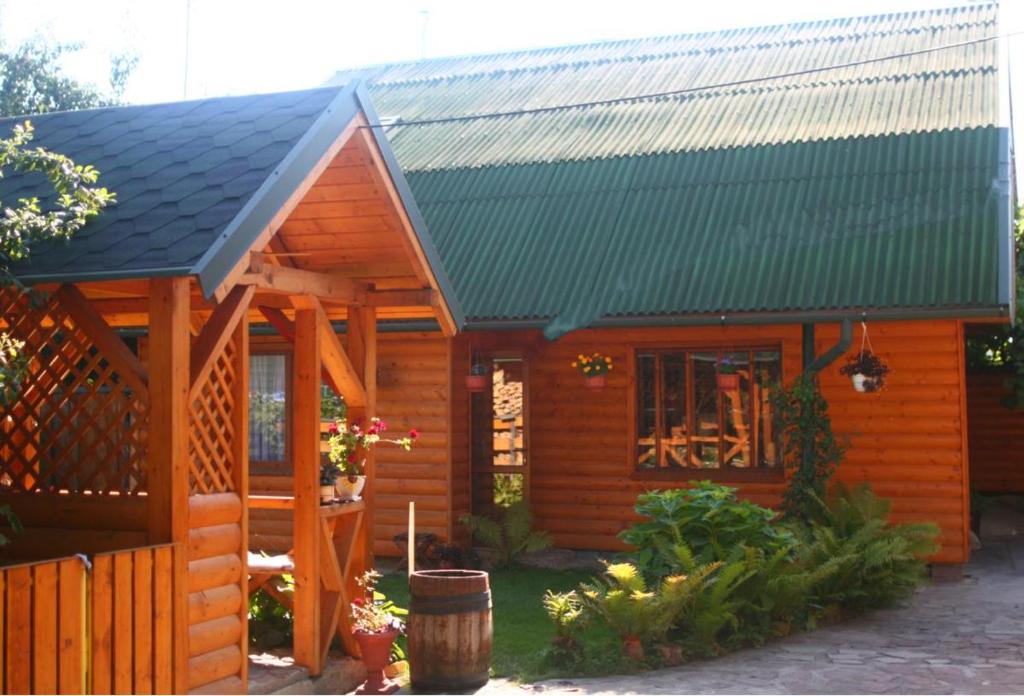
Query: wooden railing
pixel 72 626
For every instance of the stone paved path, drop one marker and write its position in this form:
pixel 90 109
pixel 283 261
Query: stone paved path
pixel 965 637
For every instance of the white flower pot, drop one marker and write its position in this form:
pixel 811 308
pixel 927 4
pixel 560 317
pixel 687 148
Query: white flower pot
pixel 349 490
pixel 863 383
pixel 326 494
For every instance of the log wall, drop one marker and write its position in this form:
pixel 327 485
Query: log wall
pixel 909 440
pixel 215 593
pixel 997 436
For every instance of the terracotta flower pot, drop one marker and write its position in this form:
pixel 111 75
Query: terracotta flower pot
pixel 349 490
pixel 476 383
pixel 633 648
pixel 595 382
pixel 375 649
pixel 729 382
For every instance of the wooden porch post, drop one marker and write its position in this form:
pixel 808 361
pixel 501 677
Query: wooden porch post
pixel 306 465
pixel 168 475
pixel 362 352
pixel 240 471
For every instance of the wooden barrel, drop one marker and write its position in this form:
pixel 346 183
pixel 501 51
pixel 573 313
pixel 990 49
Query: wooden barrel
pixel 449 630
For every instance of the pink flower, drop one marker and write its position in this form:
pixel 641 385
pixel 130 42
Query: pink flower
pixel 332 428
pixel 358 601
pixel 414 434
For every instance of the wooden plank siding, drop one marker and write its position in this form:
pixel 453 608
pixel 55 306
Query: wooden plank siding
pixel 997 436
pixel 909 440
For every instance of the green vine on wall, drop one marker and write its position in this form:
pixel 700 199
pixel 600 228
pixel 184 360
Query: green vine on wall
pixel 810 447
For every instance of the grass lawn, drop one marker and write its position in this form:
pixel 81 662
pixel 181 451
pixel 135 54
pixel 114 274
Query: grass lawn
pixel 522 631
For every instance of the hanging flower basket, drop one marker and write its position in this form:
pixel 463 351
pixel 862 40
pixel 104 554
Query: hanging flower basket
pixel 866 370
pixel 727 374
pixel 594 368
pixel 476 380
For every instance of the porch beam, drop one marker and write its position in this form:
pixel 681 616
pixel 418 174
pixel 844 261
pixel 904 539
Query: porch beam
pixel 306 480
pixel 295 281
pixel 109 343
pixel 403 298
pixel 168 475
pixel 216 333
pixel 332 353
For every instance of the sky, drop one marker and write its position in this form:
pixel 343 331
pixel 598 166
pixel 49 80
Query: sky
pixel 247 46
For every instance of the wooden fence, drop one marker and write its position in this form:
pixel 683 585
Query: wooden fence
pixel 72 626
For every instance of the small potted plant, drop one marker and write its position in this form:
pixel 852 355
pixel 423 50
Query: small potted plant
pixel 328 477
pixel 728 375
pixel 866 371
pixel 594 368
pixel 476 380
pixel 347 446
pixel 375 626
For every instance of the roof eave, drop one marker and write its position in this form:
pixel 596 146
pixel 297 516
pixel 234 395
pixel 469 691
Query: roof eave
pixel 237 239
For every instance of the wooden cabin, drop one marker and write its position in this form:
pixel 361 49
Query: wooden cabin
pixel 126 455
pixel 669 202
pixel 725 215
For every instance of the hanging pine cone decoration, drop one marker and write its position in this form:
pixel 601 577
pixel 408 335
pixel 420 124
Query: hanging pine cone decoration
pixel 866 371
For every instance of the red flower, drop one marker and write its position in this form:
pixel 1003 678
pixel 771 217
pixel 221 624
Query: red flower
pixel 358 601
pixel 332 428
pixel 414 434
pixel 381 426
pixel 352 458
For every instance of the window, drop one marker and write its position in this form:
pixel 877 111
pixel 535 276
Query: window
pixel 268 390
pixel 687 420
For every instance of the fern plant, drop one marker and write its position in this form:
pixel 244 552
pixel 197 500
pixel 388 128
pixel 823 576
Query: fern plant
pixel 876 563
pixel 510 535
pixel 565 609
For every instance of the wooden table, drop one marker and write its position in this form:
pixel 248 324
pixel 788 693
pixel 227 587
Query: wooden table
pixel 340 525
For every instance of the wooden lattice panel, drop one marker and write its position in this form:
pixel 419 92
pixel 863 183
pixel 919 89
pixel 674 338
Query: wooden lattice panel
pixel 212 431
pixel 78 425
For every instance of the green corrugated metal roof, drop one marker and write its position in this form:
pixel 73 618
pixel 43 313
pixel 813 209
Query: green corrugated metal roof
pixel 953 88
pixel 886 221
pixel 880 186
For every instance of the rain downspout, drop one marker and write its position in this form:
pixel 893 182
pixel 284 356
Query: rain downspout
pixel 814 365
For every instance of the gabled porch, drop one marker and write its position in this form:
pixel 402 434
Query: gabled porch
pixel 130 436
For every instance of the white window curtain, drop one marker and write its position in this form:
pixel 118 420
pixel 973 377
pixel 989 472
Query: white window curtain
pixel 267 407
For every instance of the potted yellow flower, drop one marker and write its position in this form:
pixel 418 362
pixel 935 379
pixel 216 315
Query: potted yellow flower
pixel 594 368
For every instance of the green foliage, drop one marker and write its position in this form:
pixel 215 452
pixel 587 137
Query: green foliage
pixel 510 535
pixel 508 489
pixel 565 609
pixel 622 600
pixel 1002 349
pixel 811 448
pixel 876 563
pixel 720 574
pixel 270 624
pixel 32 81
pixel 706 520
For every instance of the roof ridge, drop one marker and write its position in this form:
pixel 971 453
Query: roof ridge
pixel 362 71
pixel 151 105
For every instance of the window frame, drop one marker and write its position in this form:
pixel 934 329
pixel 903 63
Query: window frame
pixel 751 474
pixel 261 467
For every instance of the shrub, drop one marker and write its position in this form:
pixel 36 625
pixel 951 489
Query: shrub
pixel 510 535
pixel 622 600
pixel 705 521
pixel 876 562
pixel 566 612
